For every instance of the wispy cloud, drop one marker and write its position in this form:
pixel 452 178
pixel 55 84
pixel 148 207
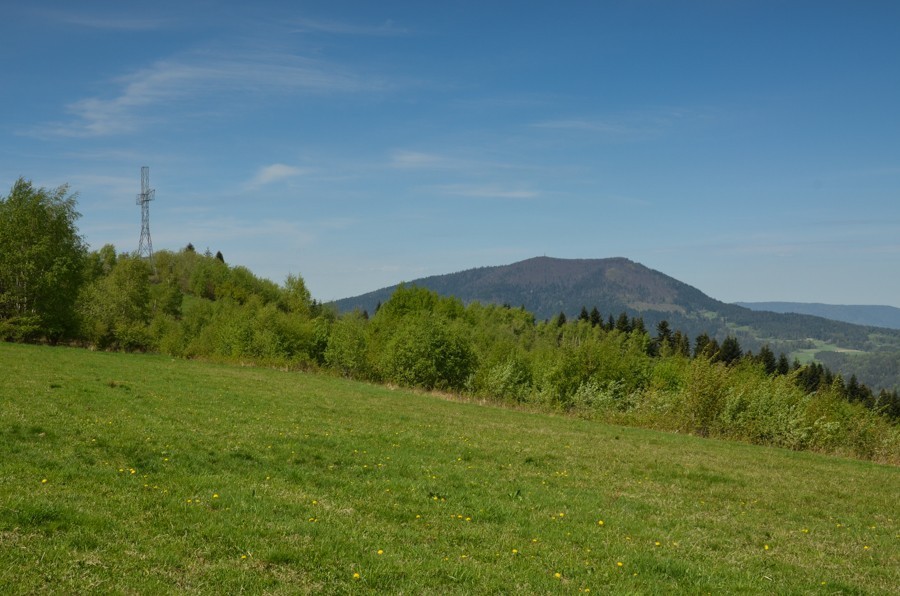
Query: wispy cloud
pixel 636 125
pixel 274 173
pixel 417 159
pixel 386 29
pixel 406 159
pixel 177 82
pixel 108 21
pixel 487 191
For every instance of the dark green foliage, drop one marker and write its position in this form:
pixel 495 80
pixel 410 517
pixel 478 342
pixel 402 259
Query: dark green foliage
pixel 730 351
pixel 766 357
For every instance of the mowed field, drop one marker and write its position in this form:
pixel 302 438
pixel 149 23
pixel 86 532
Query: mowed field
pixel 142 474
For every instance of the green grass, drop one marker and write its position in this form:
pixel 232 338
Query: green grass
pixel 808 355
pixel 142 474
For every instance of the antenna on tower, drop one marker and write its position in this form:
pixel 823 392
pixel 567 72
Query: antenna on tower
pixel 145 247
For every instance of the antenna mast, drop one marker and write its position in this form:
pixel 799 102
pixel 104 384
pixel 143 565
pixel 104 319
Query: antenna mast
pixel 145 247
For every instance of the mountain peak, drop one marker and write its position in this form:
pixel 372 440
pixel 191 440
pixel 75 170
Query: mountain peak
pixel 547 285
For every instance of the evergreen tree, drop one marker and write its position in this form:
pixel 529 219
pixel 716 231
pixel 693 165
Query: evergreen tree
pixel 583 315
pixel 596 319
pixel 700 344
pixel 731 350
pixel 766 357
pixel 560 319
pixel 783 367
pixel 681 344
pixel 623 324
pixel 637 324
pixel 663 333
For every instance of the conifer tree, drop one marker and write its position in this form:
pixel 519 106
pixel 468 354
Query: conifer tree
pixel 596 319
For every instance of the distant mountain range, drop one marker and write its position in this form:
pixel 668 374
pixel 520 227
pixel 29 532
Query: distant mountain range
pixel 874 316
pixel 547 286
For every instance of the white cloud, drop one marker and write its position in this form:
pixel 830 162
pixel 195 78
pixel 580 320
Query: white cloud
pixel 417 159
pixel 274 173
pixel 487 192
pixel 152 94
pixel 634 125
pixel 386 29
pixel 112 22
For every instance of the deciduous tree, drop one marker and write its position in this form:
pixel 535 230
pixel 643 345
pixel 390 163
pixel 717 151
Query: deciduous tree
pixel 42 257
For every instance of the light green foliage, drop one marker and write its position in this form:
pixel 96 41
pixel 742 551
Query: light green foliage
pixel 115 308
pixel 507 380
pixel 296 297
pixel 703 396
pixel 197 306
pixel 41 262
pixel 426 351
pixel 347 347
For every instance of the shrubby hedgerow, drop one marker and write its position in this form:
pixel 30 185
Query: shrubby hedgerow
pixel 196 306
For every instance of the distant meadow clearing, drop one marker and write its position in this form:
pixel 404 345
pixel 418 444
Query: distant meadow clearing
pixel 146 474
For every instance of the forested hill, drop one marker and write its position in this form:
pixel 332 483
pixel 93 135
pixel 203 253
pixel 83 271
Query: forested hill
pixel 547 286
pixel 875 316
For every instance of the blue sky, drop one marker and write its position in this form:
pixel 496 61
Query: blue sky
pixel 748 148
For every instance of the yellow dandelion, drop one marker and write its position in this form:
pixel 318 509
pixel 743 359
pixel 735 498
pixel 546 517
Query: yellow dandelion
pixel 599 522
pixel 243 556
pixel 356 576
pixel 215 495
pixel 765 547
pixel 44 481
pixel 515 551
pixel 557 575
pixel 380 552
pixel 657 543
pixel 619 563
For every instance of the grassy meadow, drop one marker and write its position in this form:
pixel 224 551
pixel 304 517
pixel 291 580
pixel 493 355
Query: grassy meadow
pixel 146 474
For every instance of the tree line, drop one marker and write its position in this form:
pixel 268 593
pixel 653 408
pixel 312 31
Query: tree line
pixel 194 305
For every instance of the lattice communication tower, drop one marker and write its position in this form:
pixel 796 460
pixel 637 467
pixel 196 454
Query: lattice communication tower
pixel 145 247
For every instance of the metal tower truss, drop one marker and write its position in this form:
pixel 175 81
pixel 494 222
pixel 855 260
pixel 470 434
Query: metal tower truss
pixel 145 247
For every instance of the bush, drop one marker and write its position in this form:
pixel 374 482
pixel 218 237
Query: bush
pixel 426 352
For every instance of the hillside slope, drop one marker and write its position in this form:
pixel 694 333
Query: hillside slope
pixel 547 286
pixel 872 315
pixel 144 474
